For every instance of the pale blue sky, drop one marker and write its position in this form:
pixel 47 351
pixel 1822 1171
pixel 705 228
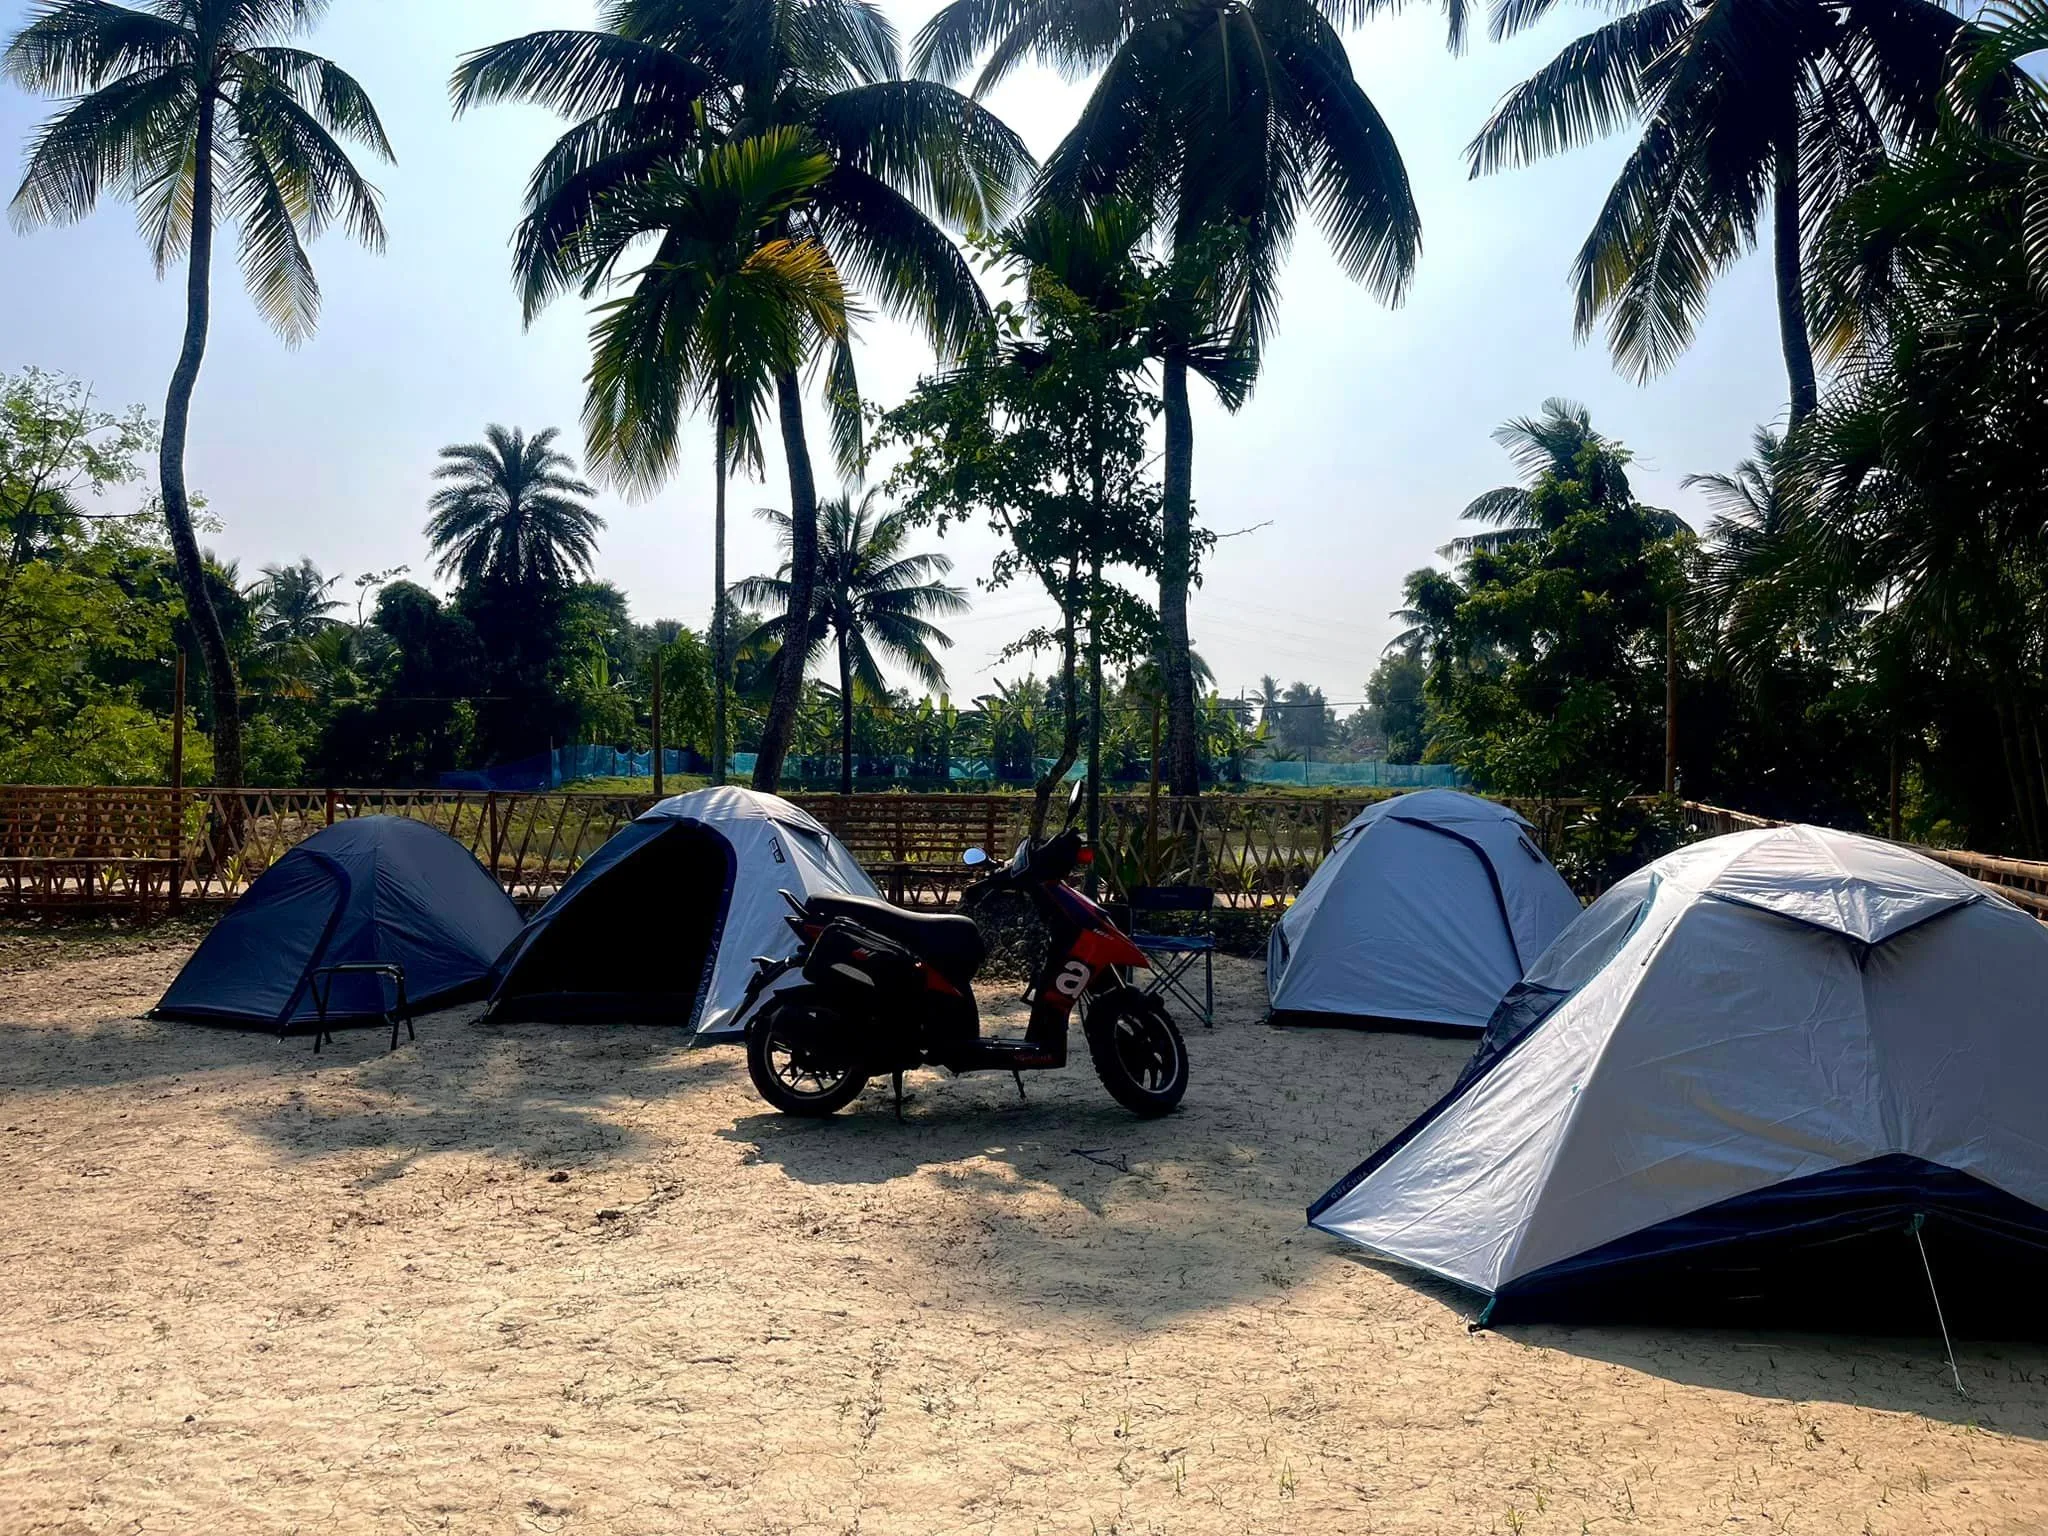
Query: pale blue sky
pixel 1368 432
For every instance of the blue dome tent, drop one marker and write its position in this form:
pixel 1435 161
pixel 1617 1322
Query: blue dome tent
pixel 376 890
pixel 1428 909
pixel 661 925
pixel 1790 1075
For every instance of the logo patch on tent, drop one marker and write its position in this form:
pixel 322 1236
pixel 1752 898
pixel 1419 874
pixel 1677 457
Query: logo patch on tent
pixel 775 847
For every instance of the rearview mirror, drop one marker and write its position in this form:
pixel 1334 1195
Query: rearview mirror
pixel 974 857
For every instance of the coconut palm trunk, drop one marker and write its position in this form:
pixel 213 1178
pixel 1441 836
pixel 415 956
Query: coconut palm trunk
pixel 1176 574
pixel 1789 261
pixel 720 661
pixel 803 584
pixel 222 688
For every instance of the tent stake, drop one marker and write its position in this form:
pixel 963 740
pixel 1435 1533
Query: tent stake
pixel 1919 1221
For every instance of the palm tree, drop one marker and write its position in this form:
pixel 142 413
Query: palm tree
pixel 664 76
pixel 1221 118
pixel 870 598
pixel 294 603
pixel 1427 615
pixel 511 513
pixel 1560 443
pixel 292 611
pixel 723 308
pixel 1746 108
pixel 200 111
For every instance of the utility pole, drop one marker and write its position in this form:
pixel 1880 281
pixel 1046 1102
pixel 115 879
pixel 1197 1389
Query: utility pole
pixel 1670 701
pixel 658 776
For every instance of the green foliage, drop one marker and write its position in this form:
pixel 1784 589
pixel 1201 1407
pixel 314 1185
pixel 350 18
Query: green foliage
pixel 1395 694
pixel 56 451
pixel 1545 654
pixel 1742 121
pixel 71 634
pixel 511 513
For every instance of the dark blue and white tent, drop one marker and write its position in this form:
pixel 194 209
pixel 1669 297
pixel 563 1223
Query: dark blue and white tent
pixel 1790 1073
pixel 1428 909
pixel 661 925
pixel 375 890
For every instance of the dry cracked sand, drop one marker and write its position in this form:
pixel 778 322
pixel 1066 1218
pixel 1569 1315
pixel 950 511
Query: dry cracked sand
pixel 580 1281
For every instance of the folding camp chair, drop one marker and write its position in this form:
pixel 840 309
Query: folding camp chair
pixel 399 1012
pixel 1175 955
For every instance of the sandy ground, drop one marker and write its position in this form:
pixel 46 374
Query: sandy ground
pixel 579 1281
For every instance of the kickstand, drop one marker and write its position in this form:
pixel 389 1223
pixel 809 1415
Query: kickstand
pixel 1020 1084
pixel 898 1079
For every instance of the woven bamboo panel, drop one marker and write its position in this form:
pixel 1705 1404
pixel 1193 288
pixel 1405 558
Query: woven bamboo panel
pixel 137 847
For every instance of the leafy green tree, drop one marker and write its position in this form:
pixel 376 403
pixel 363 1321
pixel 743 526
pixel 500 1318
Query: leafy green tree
pixel 1394 693
pixel 200 112
pixel 1301 721
pixel 665 77
pixel 1547 676
pixel 1220 119
pixel 76 637
pixel 56 449
pixel 1042 431
pixel 422 719
pixel 871 597
pixel 1913 493
pixel 511 512
pixel 1746 111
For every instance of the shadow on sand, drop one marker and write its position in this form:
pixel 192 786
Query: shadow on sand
pixel 2005 1383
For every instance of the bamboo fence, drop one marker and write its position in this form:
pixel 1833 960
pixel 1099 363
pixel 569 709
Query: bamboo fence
pixel 149 849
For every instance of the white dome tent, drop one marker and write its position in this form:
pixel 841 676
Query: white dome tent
pixel 662 924
pixel 1790 1074
pixel 1428 909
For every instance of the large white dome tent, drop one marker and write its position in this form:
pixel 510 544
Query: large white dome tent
pixel 1429 907
pixel 662 924
pixel 1791 1074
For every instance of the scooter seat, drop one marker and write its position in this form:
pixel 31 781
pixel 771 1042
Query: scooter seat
pixel 952 946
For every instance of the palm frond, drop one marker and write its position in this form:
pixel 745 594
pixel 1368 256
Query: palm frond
pixel 1593 87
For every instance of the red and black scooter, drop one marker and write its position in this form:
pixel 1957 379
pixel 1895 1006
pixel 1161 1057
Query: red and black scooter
pixel 885 990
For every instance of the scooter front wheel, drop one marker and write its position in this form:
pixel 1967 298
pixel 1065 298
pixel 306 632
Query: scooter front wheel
pixel 1138 1052
pixel 790 1078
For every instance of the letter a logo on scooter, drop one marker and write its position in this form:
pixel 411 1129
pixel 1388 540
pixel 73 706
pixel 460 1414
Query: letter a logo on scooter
pixel 1073 980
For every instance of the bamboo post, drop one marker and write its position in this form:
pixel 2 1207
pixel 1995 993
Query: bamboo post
pixel 497 833
pixel 178 781
pixel 332 797
pixel 659 779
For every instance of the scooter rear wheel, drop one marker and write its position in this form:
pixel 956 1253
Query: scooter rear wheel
pixel 1138 1052
pixel 790 1080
